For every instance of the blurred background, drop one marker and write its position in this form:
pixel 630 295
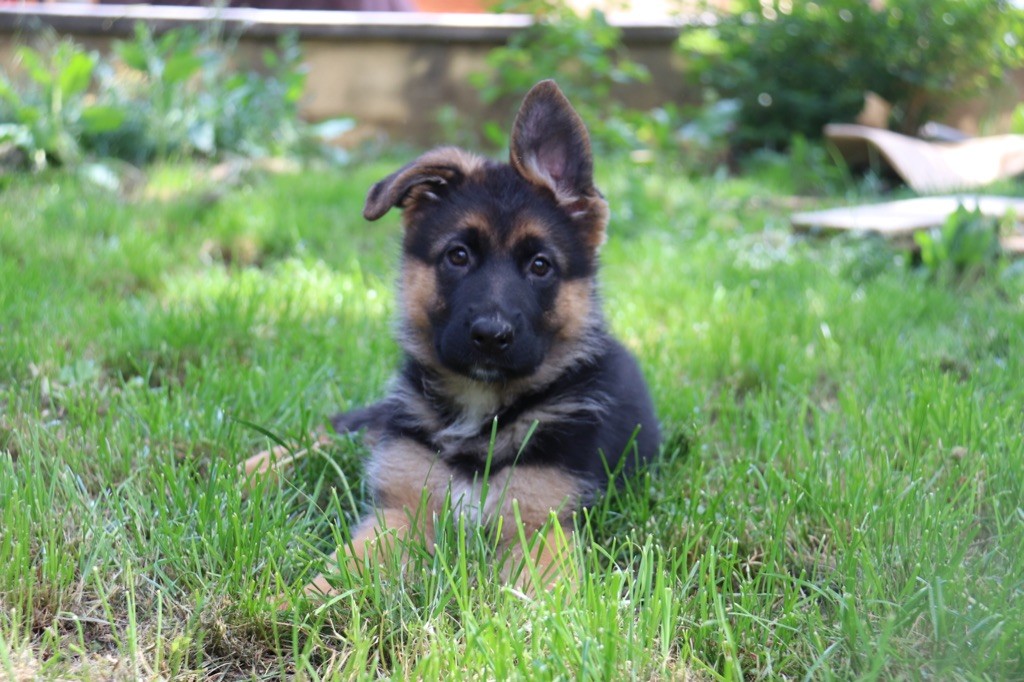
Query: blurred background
pixel 704 82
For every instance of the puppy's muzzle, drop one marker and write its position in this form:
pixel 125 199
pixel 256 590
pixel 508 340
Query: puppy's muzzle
pixel 492 334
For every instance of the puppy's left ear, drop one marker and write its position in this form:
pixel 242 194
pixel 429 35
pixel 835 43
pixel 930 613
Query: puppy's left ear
pixel 426 180
pixel 550 148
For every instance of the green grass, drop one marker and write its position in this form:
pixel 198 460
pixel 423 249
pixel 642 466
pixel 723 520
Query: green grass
pixel 841 492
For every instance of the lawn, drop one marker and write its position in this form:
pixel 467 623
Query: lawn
pixel 841 491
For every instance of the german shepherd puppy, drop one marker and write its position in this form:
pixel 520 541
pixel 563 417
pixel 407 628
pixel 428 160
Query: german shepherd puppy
pixel 500 322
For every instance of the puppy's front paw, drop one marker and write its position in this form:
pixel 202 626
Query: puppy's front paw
pixel 318 587
pixel 547 564
pixel 266 465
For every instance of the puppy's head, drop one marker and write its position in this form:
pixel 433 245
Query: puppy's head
pixel 499 259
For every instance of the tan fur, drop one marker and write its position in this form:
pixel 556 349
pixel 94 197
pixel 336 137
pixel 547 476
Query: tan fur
pixel 597 214
pixel 416 485
pixel 418 294
pixel 266 464
pixel 590 210
pixel 526 229
pixel 470 163
pixel 577 319
pixel 551 561
pixel 538 491
pixel 375 537
pixel 572 309
pixel 468 220
pixel 477 221
pixel 404 469
pixel 573 317
pixel 415 180
pixel 545 498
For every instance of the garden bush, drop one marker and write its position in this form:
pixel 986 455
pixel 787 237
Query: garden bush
pixel 795 66
pixel 46 114
pixel 585 53
pixel 176 95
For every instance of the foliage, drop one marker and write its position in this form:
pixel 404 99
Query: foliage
pixel 189 98
pixel 963 248
pixel 795 66
pixel 806 168
pixel 49 114
pixel 790 74
pixel 178 94
pixel 1017 120
pixel 702 132
pixel 584 53
pixel 934 53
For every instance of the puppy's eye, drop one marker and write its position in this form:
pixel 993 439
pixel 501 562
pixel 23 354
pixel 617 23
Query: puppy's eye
pixel 540 266
pixel 458 256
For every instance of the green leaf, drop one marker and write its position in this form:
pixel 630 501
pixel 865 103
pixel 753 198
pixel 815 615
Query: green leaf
pixel 277 440
pixel 8 93
pixel 18 135
pixel 133 55
pixel 181 67
pixel 296 87
pixel 37 68
pixel 494 133
pixel 1017 120
pixel 29 114
pixel 925 241
pixel 102 118
pixel 77 74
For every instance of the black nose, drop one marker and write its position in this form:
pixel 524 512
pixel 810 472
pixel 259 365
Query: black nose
pixel 491 334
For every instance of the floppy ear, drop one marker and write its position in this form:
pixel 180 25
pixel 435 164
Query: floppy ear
pixel 550 147
pixel 426 179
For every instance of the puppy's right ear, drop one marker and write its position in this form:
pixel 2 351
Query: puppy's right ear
pixel 550 148
pixel 427 179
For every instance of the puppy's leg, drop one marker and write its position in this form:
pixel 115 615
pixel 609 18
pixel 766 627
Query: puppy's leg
pixel 371 419
pixel 549 562
pixel 267 463
pixel 410 484
pixel 542 499
pixel 376 537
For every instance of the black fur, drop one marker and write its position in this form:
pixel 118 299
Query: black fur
pixel 613 429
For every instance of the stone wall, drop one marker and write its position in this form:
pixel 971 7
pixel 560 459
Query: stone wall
pixel 392 72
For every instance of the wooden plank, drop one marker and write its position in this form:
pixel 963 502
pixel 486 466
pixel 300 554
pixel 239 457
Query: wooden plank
pixel 1013 244
pixel 898 220
pixel 932 166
